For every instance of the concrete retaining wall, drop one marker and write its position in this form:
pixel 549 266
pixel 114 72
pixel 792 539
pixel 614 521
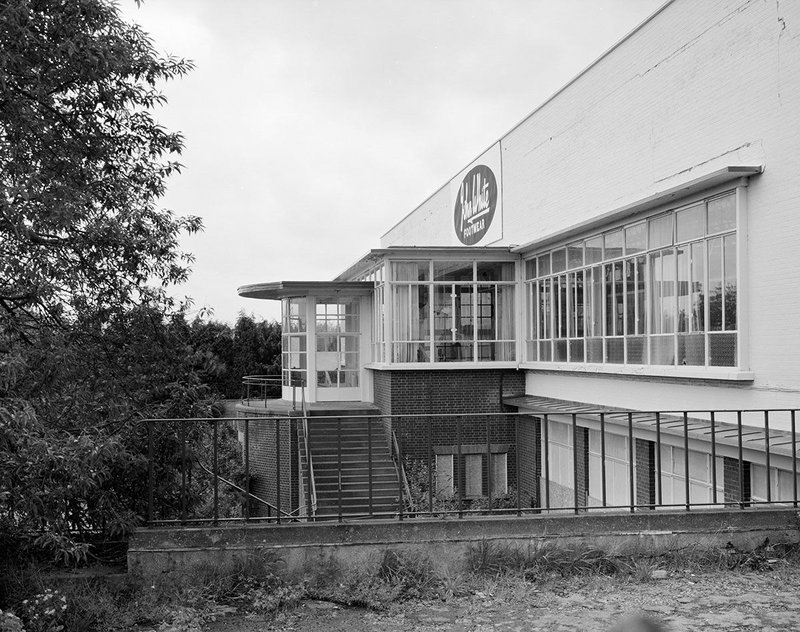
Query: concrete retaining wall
pixel 304 547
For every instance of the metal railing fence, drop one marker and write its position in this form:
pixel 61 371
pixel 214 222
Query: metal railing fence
pixel 457 465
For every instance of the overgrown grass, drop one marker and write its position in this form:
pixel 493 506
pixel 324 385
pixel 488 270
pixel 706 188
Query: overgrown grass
pixel 548 561
pixel 256 586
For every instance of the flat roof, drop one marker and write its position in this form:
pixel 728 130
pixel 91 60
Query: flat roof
pixel 376 254
pixel 277 290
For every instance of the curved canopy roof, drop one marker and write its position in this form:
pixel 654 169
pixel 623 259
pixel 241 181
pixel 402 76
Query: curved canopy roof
pixel 277 290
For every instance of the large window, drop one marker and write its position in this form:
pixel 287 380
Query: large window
pixel 452 311
pixel 294 352
pixel 659 291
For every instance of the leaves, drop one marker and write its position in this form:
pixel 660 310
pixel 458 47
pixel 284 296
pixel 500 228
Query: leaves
pixel 82 164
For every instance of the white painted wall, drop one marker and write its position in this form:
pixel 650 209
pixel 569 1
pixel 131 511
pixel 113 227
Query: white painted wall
pixel 702 85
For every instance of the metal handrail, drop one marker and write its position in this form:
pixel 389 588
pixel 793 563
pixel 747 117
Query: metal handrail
pixel 312 486
pixel 242 490
pixel 401 471
pixel 264 382
pixel 764 437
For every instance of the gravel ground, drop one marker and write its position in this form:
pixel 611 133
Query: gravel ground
pixel 683 601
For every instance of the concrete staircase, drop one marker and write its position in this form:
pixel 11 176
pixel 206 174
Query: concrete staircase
pixel 358 435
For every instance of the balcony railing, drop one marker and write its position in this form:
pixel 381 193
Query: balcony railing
pixel 538 461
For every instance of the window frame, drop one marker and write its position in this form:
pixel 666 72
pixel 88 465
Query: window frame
pixel 635 346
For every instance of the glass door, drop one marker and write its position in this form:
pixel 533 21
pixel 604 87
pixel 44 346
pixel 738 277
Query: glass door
pixel 338 351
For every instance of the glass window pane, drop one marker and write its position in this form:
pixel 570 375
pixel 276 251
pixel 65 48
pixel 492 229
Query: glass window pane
pixel 615 350
pixel 442 312
pixel 637 350
pixel 596 327
pixel 421 326
pixel 630 296
pixel 530 269
pixel 698 322
pixel 715 284
pixel 691 223
pixel 730 282
pixel 495 271
pixel 660 230
pixel 559 260
pixel 692 349
pixel 684 303
pixel 544 264
pixel 574 256
pixel 505 312
pixel 722 349
pixel 410 270
pixel 560 283
pixel 721 214
pixel 594 249
pixel 662 350
pixel 636 238
pixel 576 350
pixel 452 271
pixel 594 350
pixel 613 244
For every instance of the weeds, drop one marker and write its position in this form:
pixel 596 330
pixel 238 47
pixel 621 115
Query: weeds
pixel 256 585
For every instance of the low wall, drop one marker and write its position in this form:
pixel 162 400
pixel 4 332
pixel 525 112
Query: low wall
pixel 303 546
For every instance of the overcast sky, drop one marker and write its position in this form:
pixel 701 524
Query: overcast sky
pixel 312 127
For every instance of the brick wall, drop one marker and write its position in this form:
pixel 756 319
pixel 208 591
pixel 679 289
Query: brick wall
pixel 582 465
pixel 273 449
pixel 455 392
pixel 530 459
pixel 645 472
pixel 731 480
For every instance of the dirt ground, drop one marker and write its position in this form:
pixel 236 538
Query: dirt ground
pixel 683 601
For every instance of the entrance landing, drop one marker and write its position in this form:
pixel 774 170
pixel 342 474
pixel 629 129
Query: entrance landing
pixel 285 407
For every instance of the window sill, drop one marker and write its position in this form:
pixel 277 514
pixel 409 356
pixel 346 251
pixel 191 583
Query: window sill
pixel 729 374
pixel 438 366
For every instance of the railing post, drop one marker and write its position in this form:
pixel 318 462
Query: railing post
pixel 766 452
pixel 575 460
pixel 309 473
pixel 489 461
pixel 659 496
pixel 741 459
pixel 603 457
pixel 216 470
pixel 182 435
pixel 247 468
pixel 151 475
pixel 430 465
pixel 794 460
pixel 339 463
pixel 631 470
pixel 399 438
pixel 516 464
pixel 278 468
pixel 546 461
pixel 713 459
pixel 369 460
pixel 686 458
pixel 457 471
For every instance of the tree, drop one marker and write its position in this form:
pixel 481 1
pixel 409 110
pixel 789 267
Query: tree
pixel 90 342
pixel 82 165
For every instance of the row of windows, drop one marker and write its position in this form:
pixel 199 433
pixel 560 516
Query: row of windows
pixel 452 311
pixel 638 299
pixel 712 216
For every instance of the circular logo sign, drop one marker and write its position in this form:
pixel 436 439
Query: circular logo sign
pixel 475 205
